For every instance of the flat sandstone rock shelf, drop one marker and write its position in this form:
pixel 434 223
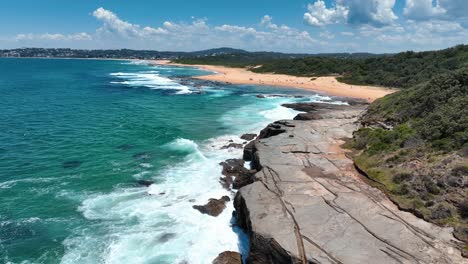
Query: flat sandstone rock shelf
pixel 308 204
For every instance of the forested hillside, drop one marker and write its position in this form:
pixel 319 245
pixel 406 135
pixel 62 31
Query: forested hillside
pixel 400 70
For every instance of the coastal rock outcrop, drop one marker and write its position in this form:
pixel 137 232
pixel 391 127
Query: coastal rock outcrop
pixel 248 136
pixel 228 257
pixel 308 204
pixel 236 174
pixel 214 207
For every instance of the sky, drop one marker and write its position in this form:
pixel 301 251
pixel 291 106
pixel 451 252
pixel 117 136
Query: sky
pixel 313 26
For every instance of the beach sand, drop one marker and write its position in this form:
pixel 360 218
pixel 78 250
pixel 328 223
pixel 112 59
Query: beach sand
pixel 327 85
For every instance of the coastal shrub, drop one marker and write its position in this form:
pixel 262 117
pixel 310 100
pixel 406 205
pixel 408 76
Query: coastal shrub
pixel 402 177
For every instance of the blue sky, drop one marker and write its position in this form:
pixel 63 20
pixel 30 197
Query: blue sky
pixel 312 26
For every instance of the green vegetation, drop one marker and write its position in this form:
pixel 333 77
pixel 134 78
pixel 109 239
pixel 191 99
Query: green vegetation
pixel 413 145
pixel 400 70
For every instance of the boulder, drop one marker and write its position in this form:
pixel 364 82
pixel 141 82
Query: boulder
pixel 248 136
pixel 232 167
pixel 228 257
pixel 214 207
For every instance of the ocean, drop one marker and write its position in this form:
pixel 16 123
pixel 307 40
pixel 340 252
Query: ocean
pixel 76 136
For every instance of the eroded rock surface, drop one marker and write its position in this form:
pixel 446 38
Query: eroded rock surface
pixel 309 205
pixel 214 207
pixel 228 257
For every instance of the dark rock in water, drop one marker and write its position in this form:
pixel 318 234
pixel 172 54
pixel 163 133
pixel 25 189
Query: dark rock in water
pixel 166 237
pixel 248 136
pixel 228 257
pixel 260 96
pixel 142 155
pixel 145 182
pixel 235 167
pixel 232 166
pixel 125 147
pixel 214 207
pixel 232 145
pixel 71 164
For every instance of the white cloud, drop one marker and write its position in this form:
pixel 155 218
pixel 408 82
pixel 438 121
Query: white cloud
pixel 326 35
pixel 377 13
pixel 266 21
pixel 54 37
pixel 320 15
pixel 435 9
pixel 347 33
pixel 113 24
pixel 422 9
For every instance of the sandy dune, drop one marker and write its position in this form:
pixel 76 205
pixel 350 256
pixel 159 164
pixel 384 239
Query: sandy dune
pixel 327 85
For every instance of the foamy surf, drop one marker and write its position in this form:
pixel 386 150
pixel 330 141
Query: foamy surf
pixel 149 79
pixel 160 225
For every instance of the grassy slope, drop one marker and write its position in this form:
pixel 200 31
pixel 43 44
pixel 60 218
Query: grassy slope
pixel 422 161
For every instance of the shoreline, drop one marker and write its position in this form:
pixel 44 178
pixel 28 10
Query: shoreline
pixel 327 85
pixel 305 192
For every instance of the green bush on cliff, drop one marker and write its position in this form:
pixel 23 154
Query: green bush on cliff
pixel 413 147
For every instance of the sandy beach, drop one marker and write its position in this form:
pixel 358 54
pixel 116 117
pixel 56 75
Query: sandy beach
pixel 327 85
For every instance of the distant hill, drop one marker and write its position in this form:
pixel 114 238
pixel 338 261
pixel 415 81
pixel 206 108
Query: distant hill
pixel 399 70
pixel 224 54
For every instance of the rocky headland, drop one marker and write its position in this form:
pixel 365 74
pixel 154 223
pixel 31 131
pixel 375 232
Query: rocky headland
pixel 302 200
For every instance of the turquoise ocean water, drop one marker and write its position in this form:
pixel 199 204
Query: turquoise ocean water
pixel 76 135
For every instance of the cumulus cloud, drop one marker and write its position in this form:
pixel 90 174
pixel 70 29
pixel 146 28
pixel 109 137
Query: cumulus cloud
pixel 113 24
pixel 373 12
pixel 320 15
pixel 438 9
pixel 422 9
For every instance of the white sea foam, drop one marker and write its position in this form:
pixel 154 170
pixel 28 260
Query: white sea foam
pixel 158 224
pixel 150 79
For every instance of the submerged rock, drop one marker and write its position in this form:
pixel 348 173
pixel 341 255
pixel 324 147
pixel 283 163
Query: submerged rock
pixel 166 237
pixel 214 207
pixel 228 257
pixel 71 164
pixel 142 155
pixel 125 147
pixel 145 182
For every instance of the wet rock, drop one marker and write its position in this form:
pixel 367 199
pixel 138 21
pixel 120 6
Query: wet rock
pixel 232 145
pixel 228 257
pixel 166 237
pixel 71 164
pixel 248 136
pixel 235 168
pixel 214 207
pixel 232 166
pixel 145 182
